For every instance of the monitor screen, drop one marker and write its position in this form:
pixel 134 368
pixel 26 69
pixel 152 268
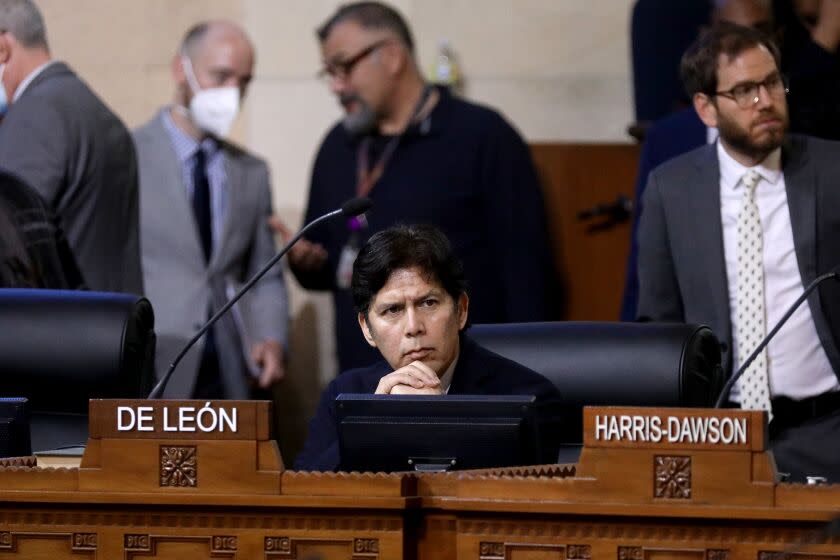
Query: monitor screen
pixel 388 433
pixel 14 428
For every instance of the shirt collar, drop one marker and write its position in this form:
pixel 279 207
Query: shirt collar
pixel 446 378
pixel 28 79
pixel 433 124
pixel 731 171
pixel 185 145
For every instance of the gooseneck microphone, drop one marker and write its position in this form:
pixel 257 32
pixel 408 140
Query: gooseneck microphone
pixel 352 207
pixel 811 287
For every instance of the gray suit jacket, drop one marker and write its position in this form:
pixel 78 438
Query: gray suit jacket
pixel 179 283
pixel 66 144
pixel 682 272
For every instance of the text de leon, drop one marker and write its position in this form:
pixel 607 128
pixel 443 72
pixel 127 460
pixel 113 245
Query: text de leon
pixel 177 419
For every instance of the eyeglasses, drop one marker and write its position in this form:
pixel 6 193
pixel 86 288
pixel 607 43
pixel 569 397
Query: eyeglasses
pixel 746 95
pixel 342 69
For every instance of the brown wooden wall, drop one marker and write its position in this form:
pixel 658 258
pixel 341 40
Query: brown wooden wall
pixel 592 262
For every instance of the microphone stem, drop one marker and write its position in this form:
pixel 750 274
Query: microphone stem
pixel 161 385
pixel 724 394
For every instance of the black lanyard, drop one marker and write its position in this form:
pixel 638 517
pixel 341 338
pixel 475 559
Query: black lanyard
pixel 366 177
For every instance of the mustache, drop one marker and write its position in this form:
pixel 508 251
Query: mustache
pixel 769 114
pixel 347 98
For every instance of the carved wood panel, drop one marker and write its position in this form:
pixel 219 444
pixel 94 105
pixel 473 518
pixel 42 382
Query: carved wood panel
pixel 140 546
pixel 489 550
pixel 178 466
pixel 55 546
pixel 295 548
pixel 672 477
pixel 787 555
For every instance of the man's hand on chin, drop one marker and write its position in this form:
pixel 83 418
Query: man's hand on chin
pixel 414 379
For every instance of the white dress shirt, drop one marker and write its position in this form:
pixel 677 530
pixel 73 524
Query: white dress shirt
pixel 797 364
pixel 446 378
pixel 28 80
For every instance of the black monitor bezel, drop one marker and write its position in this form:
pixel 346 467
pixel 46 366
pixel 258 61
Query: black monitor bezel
pixel 419 413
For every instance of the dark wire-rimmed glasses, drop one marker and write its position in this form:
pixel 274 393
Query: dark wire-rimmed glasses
pixel 747 94
pixel 340 70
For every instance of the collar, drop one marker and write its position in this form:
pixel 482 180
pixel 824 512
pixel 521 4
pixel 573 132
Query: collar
pixel 28 79
pixel 185 145
pixel 446 378
pixel 436 120
pixel 433 123
pixel 731 171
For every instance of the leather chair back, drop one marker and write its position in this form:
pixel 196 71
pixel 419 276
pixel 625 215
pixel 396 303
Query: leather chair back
pixel 630 364
pixel 61 348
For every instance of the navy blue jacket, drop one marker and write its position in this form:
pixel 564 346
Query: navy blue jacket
pixel 465 170
pixel 478 372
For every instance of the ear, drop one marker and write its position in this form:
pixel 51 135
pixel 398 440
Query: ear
pixel 706 109
pixel 366 330
pixel 394 57
pixel 5 47
pixel 463 307
pixel 178 70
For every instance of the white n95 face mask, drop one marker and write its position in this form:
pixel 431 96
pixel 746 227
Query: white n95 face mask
pixel 213 110
pixel 4 100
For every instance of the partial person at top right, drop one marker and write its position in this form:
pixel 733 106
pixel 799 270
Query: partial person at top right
pixel 730 234
pixel 808 33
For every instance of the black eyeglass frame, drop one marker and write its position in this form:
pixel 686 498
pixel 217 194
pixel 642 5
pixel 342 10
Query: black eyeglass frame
pixel 341 70
pixel 747 99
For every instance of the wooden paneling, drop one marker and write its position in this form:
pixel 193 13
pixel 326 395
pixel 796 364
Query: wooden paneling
pixel 591 260
pixel 608 506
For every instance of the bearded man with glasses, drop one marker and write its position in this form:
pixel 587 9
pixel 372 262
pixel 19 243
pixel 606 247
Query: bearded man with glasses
pixel 730 234
pixel 423 156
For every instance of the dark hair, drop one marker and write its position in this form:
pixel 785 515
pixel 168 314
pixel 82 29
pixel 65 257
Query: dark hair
pixel 16 269
pixel 699 64
pixel 398 247
pixel 369 15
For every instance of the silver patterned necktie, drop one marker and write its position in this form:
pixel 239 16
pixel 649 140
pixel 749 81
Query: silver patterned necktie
pixel 752 323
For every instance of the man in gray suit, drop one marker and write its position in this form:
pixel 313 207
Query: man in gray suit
pixel 732 232
pixel 204 205
pixel 60 139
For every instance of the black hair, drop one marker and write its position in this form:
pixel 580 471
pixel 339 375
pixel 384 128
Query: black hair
pixel 405 246
pixel 369 15
pixel 699 64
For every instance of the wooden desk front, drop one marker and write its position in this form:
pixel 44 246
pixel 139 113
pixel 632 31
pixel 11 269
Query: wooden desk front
pixel 623 503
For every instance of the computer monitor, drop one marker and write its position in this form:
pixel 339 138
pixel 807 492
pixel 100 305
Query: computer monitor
pixel 388 433
pixel 14 428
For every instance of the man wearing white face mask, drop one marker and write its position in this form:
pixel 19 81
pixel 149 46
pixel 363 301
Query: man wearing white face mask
pixel 204 205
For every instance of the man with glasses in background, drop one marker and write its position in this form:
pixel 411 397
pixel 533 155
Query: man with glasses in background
pixel 730 234
pixel 423 156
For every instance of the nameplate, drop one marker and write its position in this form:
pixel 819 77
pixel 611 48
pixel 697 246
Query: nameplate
pixel 674 428
pixel 175 419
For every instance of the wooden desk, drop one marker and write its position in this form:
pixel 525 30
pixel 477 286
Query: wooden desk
pixel 622 501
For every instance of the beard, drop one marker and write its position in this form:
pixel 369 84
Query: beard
pixel 360 122
pixel 741 139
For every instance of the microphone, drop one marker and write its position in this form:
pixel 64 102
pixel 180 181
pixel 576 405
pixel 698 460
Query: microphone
pixel 811 287
pixel 352 207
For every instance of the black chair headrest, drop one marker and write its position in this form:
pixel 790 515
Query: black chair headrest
pixel 61 348
pixel 632 364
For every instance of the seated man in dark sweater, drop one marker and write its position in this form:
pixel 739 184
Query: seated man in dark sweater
pixel 410 294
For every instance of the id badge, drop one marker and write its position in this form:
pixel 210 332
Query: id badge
pixel 344 272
